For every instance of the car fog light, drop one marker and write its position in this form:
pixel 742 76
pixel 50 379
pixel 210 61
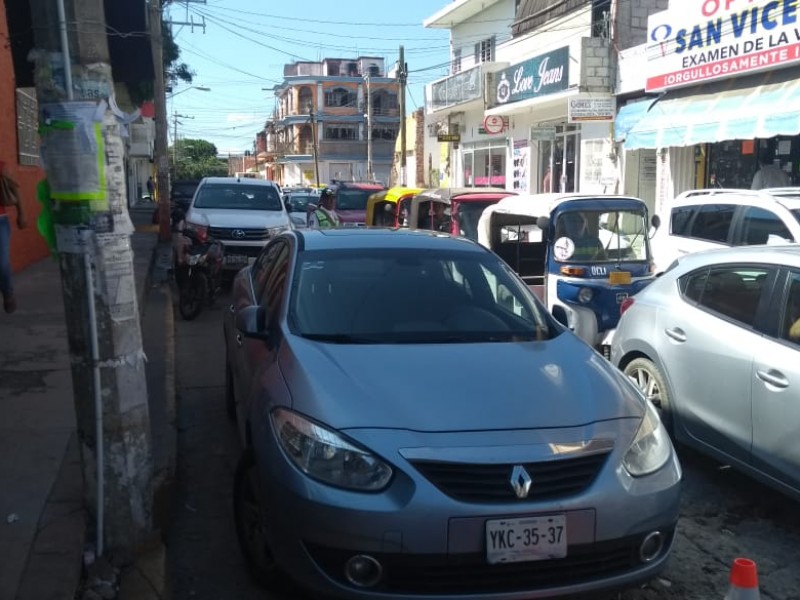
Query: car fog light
pixel 585 295
pixel 651 546
pixel 363 571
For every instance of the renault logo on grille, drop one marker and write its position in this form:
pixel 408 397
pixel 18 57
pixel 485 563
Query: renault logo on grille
pixel 520 481
pixel 238 234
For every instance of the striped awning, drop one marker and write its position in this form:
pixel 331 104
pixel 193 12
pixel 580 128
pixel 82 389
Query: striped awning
pixel 714 115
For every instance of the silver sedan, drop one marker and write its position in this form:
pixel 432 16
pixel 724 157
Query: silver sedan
pixel 417 426
pixel 714 343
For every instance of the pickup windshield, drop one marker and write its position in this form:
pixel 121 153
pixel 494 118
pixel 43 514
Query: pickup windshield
pixel 238 196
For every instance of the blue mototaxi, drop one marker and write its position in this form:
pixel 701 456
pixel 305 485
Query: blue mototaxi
pixel 582 255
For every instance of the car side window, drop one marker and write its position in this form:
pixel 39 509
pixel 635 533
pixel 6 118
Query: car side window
pixel 681 217
pixel 261 268
pixel 791 313
pixel 734 292
pixel 760 226
pixel 692 285
pixel 713 222
pixel 275 284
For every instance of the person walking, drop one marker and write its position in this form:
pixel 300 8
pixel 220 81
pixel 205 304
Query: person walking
pixel 769 176
pixel 324 216
pixel 151 188
pixel 9 197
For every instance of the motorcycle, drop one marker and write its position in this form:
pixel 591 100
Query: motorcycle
pixel 198 269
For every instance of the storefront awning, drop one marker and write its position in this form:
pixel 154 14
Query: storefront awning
pixel 757 111
pixel 628 116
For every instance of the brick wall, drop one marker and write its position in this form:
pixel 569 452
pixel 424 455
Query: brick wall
pixel 632 21
pixel 27 246
pixel 596 65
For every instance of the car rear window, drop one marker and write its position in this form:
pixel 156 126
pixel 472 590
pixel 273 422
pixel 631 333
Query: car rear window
pixel 238 197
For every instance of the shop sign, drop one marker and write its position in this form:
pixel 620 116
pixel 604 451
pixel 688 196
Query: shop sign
pixel 543 134
pixel 588 108
pixel 448 137
pixel 457 89
pixel 493 124
pixel 702 40
pixel 539 76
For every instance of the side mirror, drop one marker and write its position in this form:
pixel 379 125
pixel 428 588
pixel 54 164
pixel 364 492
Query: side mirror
pixel 560 315
pixel 655 221
pixel 543 223
pixel 251 321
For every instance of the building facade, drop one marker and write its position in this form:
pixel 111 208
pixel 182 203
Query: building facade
pixel 530 95
pixel 708 91
pixel 328 108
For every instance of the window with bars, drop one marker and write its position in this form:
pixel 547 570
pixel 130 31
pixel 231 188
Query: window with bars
pixel 27 127
pixel 341 132
pixel 338 97
pixel 484 50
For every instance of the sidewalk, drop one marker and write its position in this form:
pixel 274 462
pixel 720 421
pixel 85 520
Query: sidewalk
pixel 43 524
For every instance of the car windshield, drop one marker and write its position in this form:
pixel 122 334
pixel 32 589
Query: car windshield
pixel 468 214
pixel 299 202
pixel 183 190
pixel 601 236
pixel 353 199
pixel 408 296
pixel 238 196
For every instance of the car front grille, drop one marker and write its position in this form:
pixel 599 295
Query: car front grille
pixel 470 573
pixel 491 483
pixel 241 235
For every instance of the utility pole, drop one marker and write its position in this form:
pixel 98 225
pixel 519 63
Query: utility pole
pixel 403 77
pixel 83 151
pixel 370 173
pixel 314 145
pixel 160 105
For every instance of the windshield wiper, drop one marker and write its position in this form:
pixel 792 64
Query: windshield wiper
pixel 342 338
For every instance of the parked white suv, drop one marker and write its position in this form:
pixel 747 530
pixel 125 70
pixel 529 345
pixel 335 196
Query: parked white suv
pixel 243 214
pixel 714 218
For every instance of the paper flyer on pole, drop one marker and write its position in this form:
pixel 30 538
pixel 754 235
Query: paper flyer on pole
pixel 73 150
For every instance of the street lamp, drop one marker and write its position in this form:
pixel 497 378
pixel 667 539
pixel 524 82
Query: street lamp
pixel 310 111
pixel 201 88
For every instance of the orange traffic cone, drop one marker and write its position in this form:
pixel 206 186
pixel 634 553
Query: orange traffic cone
pixel 744 581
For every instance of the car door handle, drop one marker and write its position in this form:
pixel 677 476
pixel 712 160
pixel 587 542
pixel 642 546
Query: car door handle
pixel 239 340
pixel 773 378
pixel 232 309
pixel 675 333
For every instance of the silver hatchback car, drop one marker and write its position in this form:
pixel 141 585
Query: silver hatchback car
pixel 417 426
pixel 715 344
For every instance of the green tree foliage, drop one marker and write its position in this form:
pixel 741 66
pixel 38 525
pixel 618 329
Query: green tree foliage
pixel 174 70
pixel 195 159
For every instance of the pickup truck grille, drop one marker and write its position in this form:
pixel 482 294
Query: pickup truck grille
pixel 239 234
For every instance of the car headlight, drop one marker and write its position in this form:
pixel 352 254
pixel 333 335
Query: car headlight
pixel 273 231
pixel 323 454
pixel 651 447
pixel 585 295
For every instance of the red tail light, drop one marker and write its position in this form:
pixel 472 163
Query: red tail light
pixel 625 305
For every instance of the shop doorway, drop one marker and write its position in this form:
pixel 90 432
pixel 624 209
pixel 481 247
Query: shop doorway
pixel 560 161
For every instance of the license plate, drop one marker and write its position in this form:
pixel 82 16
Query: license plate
pixel 235 260
pixel 619 278
pixel 526 539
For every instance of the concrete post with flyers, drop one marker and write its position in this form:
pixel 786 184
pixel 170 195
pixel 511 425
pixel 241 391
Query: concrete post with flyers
pixel 82 152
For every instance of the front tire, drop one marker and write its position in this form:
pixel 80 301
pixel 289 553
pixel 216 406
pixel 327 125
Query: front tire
pixel 251 526
pixel 649 379
pixel 193 295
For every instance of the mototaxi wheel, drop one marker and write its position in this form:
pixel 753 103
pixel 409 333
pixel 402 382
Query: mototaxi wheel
pixel 649 379
pixel 192 295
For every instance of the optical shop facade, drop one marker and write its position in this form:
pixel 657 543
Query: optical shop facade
pixel 538 117
pixel 713 91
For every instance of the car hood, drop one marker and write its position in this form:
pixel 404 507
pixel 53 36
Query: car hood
pixel 247 219
pixel 456 387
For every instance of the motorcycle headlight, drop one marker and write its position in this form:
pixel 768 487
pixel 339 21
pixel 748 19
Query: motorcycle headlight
pixel 585 295
pixel 651 447
pixel 193 259
pixel 325 455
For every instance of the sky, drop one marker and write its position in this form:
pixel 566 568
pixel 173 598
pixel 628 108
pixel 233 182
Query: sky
pixel 247 42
